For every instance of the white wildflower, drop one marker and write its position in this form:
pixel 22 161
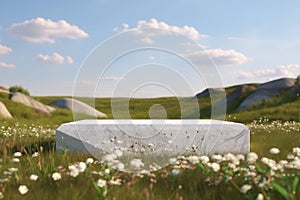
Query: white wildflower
pixel 109 157
pixel 175 172
pixel 245 188
pixel 56 176
pixel 35 154
pixel 240 157
pixel 252 157
pixel 193 159
pixel 136 163
pixel 141 174
pixel 106 171
pixel 260 197
pixel 72 167
pixel 253 174
pixel 74 172
pixel 3 180
pixel 115 182
pixel 6 173
pixel 232 166
pixel 294 164
pixel 101 183
pixel 271 163
pixel 290 156
pixel 204 159
pixel 217 157
pixel 119 166
pixel 172 161
pixel 215 167
pixel 274 151
pixel 230 157
pixel 17 154
pixel 89 161
pixel 263 183
pixel 81 166
pixel 283 162
pixel 264 160
pixel 296 150
pixel 33 177
pixel 23 189
pixel 12 170
pixel 16 160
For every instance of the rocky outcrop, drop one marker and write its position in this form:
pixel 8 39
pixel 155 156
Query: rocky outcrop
pixel 4 89
pixel 30 102
pixel 4 112
pixel 209 91
pixel 267 91
pixel 236 95
pixel 77 107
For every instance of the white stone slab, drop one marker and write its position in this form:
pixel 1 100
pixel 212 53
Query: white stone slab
pixel 153 141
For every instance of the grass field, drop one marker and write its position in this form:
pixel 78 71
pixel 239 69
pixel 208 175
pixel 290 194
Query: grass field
pixel 30 168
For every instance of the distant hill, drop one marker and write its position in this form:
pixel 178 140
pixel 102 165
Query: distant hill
pixel 276 100
pixel 243 97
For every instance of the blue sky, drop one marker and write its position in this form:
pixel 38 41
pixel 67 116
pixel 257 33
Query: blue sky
pixel 48 46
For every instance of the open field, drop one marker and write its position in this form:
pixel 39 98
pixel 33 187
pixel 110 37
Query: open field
pixel 187 178
pixel 48 175
pixel 283 108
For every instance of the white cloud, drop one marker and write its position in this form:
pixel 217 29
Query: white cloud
pixel 6 65
pixel 115 29
pixel 189 50
pixel 41 30
pixel 4 50
pixel 111 78
pixel 241 74
pixel 162 29
pixel 147 40
pixel 278 72
pixel 125 26
pixel 265 73
pixel 287 70
pixel 216 56
pixel 55 58
pixel 69 60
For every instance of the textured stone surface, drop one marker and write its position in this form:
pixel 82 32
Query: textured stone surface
pixel 210 91
pixel 170 137
pixel 236 95
pixel 267 91
pixel 28 101
pixel 78 107
pixel 4 112
pixel 4 89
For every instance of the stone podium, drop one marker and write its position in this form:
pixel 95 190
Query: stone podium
pixel 153 141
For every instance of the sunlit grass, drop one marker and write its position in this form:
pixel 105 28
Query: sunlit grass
pixel 37 146
pixel 34 136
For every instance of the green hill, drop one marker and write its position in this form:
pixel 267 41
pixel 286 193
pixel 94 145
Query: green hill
pixel 285 107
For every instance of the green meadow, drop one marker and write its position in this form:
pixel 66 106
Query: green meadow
pixel 30 168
